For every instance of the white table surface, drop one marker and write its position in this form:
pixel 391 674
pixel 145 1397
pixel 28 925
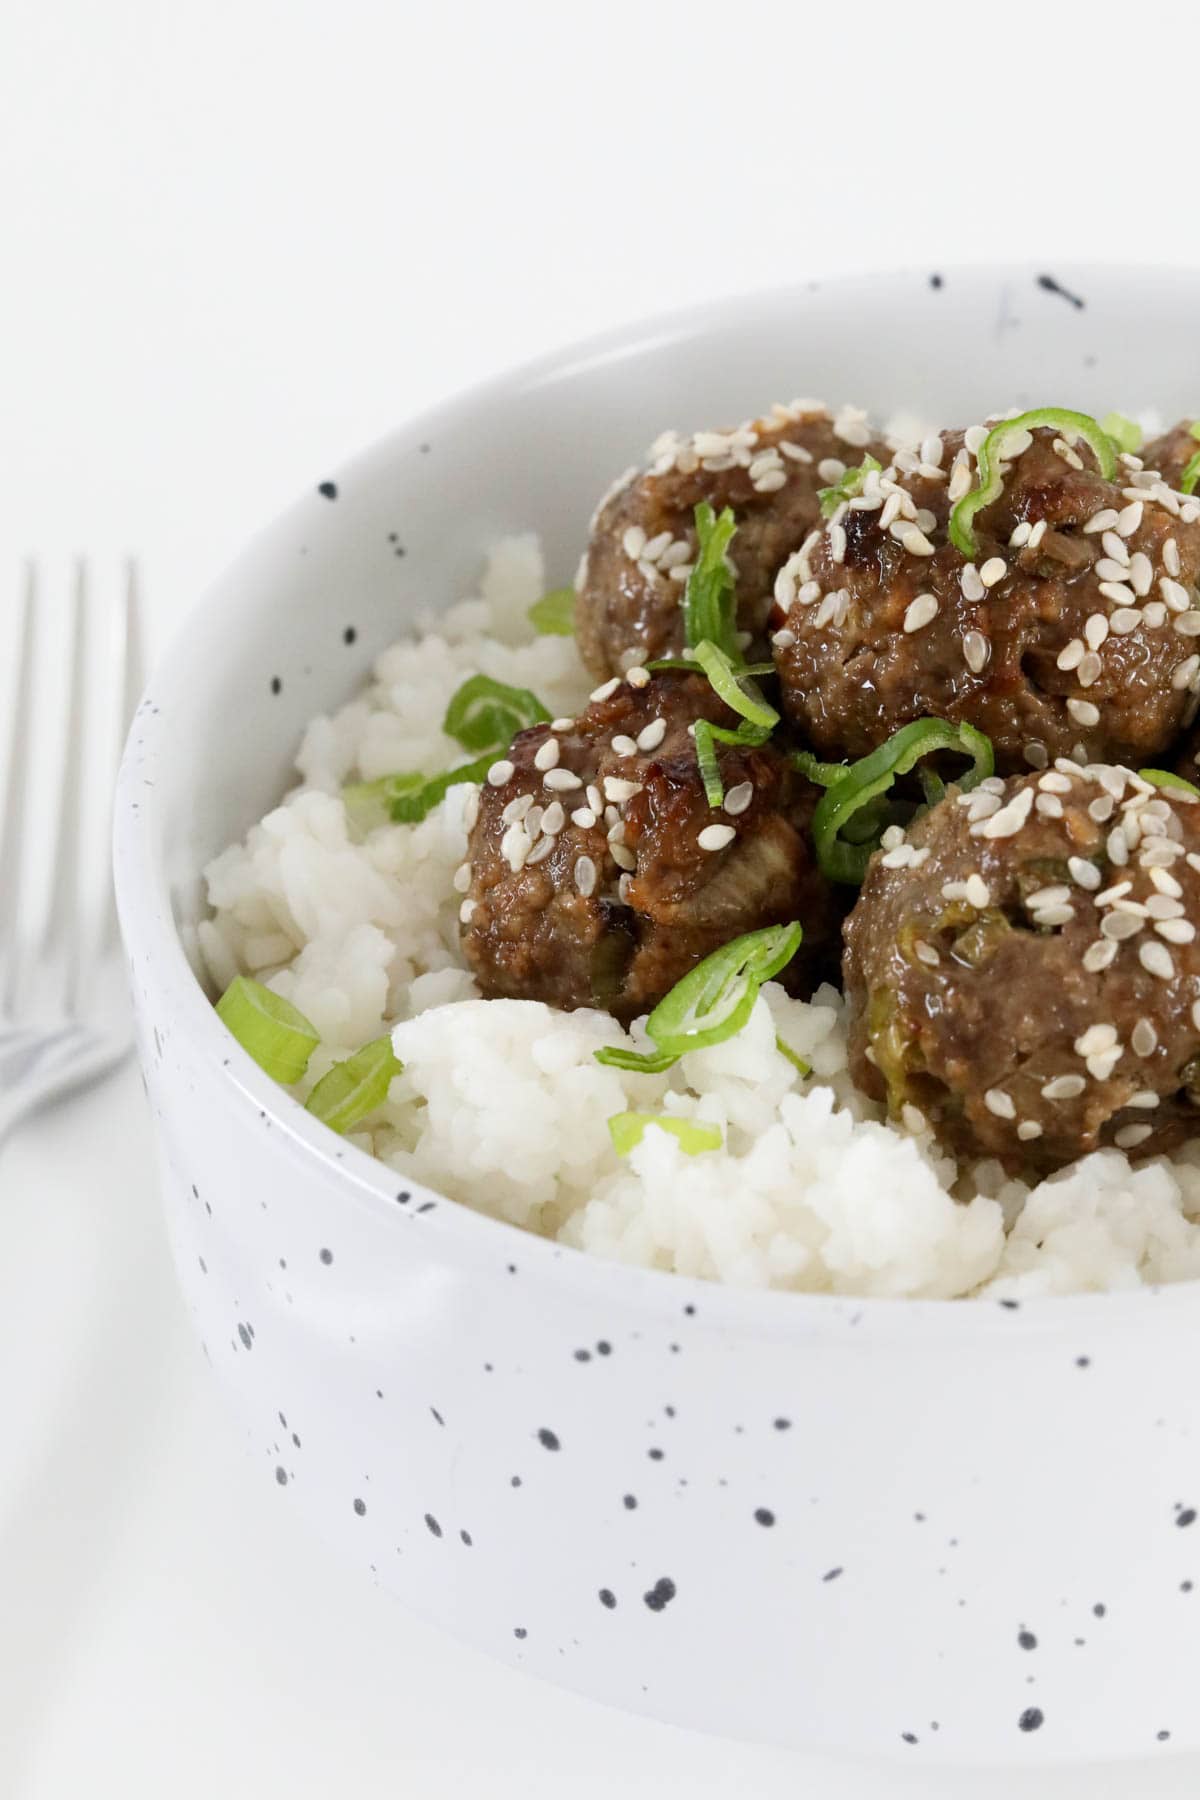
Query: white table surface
pixel 237 240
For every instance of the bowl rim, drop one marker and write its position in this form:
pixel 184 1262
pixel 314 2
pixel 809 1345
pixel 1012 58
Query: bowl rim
pixel 158 958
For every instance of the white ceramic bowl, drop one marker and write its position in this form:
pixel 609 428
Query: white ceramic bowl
pixel 820 1522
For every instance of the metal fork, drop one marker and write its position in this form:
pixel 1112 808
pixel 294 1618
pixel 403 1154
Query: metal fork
pixel 65 1017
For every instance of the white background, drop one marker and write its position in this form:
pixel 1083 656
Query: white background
pixel 237 240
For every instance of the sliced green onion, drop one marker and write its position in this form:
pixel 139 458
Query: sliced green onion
pixel 1125 433
pixel 1165 778
pixel 874 774
pixel 1191 468
pixel 369 803
pixel 706 757
pixel 991 456
pixel 821 774
pixel 850 485
pixel 735 688
pixel 356 1087
pixel 797 1062
pixel 713 1001
pixel 688 665
pixel 410 807
pixel 486 715
pixel 747 735
pixel 268 1027
pixel 709 603
pixel 650 1062
pixel 629 1128
pixel 554 614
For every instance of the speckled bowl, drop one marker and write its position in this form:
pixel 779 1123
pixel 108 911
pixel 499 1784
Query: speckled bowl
pixel 935 1530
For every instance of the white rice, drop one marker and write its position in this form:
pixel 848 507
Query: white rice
pixel 503 1106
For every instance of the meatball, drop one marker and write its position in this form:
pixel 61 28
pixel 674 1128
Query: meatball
pixel 1072 632
pixel 1022 968
pixel 598 872
pixel 643 536
pixel 1172 452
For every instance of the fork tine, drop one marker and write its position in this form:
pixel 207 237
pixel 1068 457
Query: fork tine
pixel 129 647
pixel 63 923
pixel 12 818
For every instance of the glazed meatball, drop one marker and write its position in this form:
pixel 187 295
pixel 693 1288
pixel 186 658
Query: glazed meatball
pixel 1072 632
pixel 598 872
pixel 643 536
pixel 1171 453
pixel 1022 968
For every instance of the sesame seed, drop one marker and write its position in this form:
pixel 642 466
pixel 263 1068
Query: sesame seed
pixel 1124 619
pixel 1176 931
pixel 553 819
pixel 465 911
pixel 561 724
pixel 993 570
pixel 1101 1065
pixel 1156 960
pixel 633 542
pixel 1130 1136
pixel 738 798
pixel 515 846
pixel 605 689
pixel 1037 534
pixel 1118 592
pixel 653 734
pixel 561 780
pixel 976 651
pixel 624 745
pixel 637 677
pixel 1064 1087
pixel 1028 1129
pixel 1103 520
pixel 716 837
pixel 584 817
pixel 1166 883
pixel 831 469
pixel 1141 573
pixel 1154 614
pixel 1108 569
pixel 500 773
pixel 1096 1038
pixel 913 1119
pixel 1088 672
pixel 1096 630
pixel 977 892
pixel 540 851
pixel 1170 556
pixel 837 543
pixel 1098 955
pixel 1083 712
pixel 1129 518
pixel 1147 1099
pixel 1000 1103
pixel 920 612
pixel 1071 655
pixel 462 878
pixel 915 541
pixel 585 875
pixel 926 954
pixel 1037 756
pixel 1184 673
pixel 1047 896
pixel 1164 906
pixel 618 790
pixel 623 856
pixel 547 754
pixel 1119 925
pixel 471 809
pixel 784 639
pixel 972 586
pixel 1187 624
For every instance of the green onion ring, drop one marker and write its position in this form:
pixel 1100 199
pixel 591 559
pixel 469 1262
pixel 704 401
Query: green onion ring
pixel 874 774
pixel 991 455
pixel 269 1028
